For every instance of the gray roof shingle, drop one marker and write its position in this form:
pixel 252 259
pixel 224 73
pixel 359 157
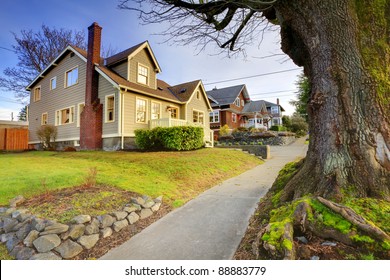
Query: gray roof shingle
pixel 225 96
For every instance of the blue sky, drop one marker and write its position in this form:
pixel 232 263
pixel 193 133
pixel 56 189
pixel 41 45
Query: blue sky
pixel 121 30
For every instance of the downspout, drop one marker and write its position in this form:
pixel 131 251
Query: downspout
pixel 122 120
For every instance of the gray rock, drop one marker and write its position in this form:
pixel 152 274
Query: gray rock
pixel 133 218
pixel 145 197
pixel 55 229
pixel 145 213
pixel 11 243
pixel 5 236
pixel 16 250
pixel 10 210
pixel 25 253
pixel 302 239
pixel 38 224
pixel 88 241
pixel 328 243
pixel 69 249
pixel 46 256
pixel 3 209
pixel 93 227
pixel 106 232
pixel 138 200
pixel 16 201
pixel 16 213
pixel 106 221
pixel 24 217
pixel 9 224
pixel 28 241
pixel 148 203
pixel 20 225
pixel 81 219
pixel 119 225
pixel 315 258
pixel 120 215
pixel 46 243
pixel 158 199
pixel 132 207
pixel 23 231
pixel 74 232
pixel 156 207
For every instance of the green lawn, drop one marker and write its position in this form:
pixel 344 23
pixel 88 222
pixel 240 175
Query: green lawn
pixel 178 176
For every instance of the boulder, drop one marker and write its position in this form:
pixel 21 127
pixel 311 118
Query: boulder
pixel 158 199
pixel 46 243
pixel 16 201
pixel 156 207
pixel 148 203
pixel 69 249
pixel 120 215
pixel 55 229
pixel 132 207
pixel 81 219
pixel 5 236
pixel 106 221
pixel 138 200
pixel 92 228
pixel 74 232
pixel 11 243
pixel 16 213
pixel 46 256
pixel 28 241
pixel 23 231
pixel 133 218
pixel 119 225
pixel 145 213
pixel 106 232
pixel 16 250
pixel 25 253
pixel 88 241
pixel 9 224
pixel 38 224
pixel 22 217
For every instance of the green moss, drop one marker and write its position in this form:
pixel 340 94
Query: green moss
pixel 287 244
pixel 362 238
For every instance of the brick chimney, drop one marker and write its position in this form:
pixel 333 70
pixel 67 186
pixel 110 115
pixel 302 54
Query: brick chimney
pixel 277 101
pixel 91 124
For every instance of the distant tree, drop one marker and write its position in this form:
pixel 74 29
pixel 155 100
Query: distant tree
pixel 302 96
pixel 286 120
pixel 35 51
pixel 22 116
pixel 298 125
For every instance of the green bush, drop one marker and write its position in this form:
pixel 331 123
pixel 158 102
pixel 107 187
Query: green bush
pixel 278 128
pixel 47 135
pixel 179 138
pixel 224 131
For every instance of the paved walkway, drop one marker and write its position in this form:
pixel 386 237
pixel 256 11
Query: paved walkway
pixel 212 225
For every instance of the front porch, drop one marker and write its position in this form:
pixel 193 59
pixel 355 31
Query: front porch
pixel 170 122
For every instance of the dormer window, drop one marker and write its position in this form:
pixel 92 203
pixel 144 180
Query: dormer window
pixel 143 73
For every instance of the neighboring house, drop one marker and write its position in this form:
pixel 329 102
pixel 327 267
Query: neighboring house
pixel 97 103
pixel 275 112
pixel 255 115
pixel 228 104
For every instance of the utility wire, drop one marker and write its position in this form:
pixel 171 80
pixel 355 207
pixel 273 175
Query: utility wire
pixel 254 76
pixel 7 49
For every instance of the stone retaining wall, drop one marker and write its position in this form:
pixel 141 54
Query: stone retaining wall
pixel 30 238
pixel 265 138
pixel 258 150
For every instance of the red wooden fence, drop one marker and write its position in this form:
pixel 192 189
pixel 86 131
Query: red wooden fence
pixel 13 139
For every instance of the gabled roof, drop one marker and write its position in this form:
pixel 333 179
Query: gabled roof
pixel 183 92
pixel 131 52
pixel 270 104
pixel 228 95
pixel 79 52
pixel 255 106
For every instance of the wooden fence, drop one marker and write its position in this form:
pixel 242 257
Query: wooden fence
pixel 13 139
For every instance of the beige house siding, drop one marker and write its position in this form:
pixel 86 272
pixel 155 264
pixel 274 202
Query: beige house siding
pixel 199 105
pixel 58 98
pixel 143 58
pixel 106 89
pixel 121 69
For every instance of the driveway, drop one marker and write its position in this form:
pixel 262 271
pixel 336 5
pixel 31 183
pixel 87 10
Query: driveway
pixel 212 225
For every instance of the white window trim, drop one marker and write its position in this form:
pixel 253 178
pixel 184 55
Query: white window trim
pixel 237 102
pixel 234 117
pixel 106 109
pixel 198 111
pixel 58 123
pixel 66 79
pixel 47 118
pixel 79 113
pixel 151 107
pixel 40 94
pixel 147 77
pixel 50 85
pixel 146 107
pixel 217 112
pixel 178 111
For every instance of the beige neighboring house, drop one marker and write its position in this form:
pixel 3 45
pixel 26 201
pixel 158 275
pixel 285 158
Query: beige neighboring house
pixel 98 103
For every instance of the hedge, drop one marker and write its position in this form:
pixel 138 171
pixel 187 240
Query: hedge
pixel 278 128
pixel 179 138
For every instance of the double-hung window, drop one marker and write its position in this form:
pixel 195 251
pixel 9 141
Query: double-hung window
pixel 72 77
pixel 37 94
pixel 214 116
pixel 234 117
pixel 65 116
pixel 110 108
pixel 156 110
pixel 44 119
pixel 142 74
pixel 141 105
pixel 198 117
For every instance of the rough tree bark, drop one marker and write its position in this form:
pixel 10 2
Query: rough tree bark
pixel 349 150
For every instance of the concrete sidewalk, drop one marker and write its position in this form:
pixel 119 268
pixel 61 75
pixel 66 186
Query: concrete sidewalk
pixel 212 225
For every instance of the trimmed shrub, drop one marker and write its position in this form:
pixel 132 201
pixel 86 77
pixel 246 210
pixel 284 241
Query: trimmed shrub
pixel 179 138
pixel 278 128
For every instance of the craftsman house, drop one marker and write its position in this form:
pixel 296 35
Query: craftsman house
pixel 97 103
pixel 228 104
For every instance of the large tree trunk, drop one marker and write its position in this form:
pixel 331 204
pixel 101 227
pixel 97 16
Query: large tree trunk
pixel 349 150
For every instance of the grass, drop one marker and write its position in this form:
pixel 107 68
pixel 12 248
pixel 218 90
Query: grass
pixel 178 176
